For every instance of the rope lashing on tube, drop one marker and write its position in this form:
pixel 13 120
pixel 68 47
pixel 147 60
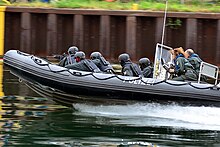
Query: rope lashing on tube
pixel 79 74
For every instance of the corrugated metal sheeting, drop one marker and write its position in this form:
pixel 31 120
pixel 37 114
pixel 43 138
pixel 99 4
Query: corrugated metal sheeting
pixel 44 32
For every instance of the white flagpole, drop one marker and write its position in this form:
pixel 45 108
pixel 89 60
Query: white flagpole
pixel 163 34
pixel 164 23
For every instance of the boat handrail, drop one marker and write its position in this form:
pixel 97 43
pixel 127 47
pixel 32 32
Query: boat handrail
pixel 208 70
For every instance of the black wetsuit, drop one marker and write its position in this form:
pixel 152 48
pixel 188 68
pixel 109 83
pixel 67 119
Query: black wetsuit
pixel 84 65
pixel 70 59
pixel 130 69
pixel 103 65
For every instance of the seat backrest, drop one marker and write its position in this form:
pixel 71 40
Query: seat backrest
pixel 208 70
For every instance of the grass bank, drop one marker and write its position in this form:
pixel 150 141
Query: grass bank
pixel 150 5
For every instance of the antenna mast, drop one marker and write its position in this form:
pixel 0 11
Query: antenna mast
pixel 163 33
pixel 164 23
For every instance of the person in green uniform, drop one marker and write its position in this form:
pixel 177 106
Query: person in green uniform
pixel 194 59
pixel 183 69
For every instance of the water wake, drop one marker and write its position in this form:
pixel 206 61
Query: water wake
pixel 154 114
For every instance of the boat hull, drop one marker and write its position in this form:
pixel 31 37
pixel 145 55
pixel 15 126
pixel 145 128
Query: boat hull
pixel 67 86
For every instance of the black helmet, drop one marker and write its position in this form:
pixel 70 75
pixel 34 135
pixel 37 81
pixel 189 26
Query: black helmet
pixel 73 50
pixel 80 55
pixel 145 62
pixel 95 55
pixel 123 57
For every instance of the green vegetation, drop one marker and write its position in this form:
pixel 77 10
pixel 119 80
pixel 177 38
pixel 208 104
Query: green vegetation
pixel 150 5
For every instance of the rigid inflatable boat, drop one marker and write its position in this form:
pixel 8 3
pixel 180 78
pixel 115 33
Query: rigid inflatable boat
pixel 67 86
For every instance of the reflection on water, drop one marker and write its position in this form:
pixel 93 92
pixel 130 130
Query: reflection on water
pixel 36 121
pixel 18 113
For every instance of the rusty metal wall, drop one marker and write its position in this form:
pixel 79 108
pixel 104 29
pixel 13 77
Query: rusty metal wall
pixel 145 37
pixel 207 33
pixel 91 34
pixel 38 37
pixel 176 35
pixel 117 36
pixel 12 30
pixel 44 32
pixel 65 32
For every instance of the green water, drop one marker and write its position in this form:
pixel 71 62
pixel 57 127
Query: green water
pixel 29 120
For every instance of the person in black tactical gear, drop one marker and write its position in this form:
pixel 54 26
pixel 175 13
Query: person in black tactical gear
pixel 60 57
pixel 70 58
pixel 128 68
pixel 101 63
pixel 183 69
pixel 146 68
pixel 83 64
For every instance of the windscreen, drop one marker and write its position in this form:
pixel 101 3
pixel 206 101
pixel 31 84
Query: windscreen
pixel 162 56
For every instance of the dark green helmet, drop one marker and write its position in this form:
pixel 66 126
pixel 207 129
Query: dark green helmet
pixel 123 57
pixel 144 61
pixel 95 55
pixel 73 50
pixel 80 55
